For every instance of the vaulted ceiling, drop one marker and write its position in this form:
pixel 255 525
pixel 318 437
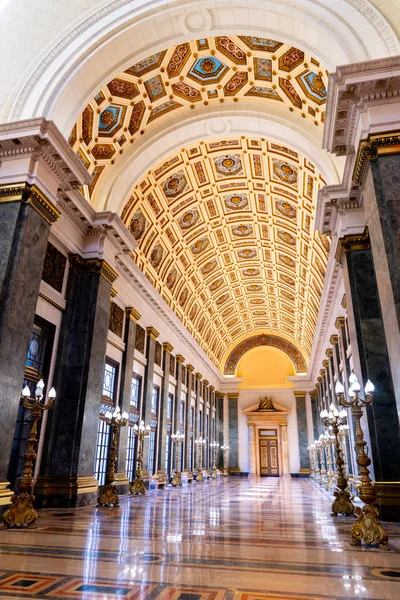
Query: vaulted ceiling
pixel 184 77
pixel 226 235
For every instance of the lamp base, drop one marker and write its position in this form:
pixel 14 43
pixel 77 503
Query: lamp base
pixel 177 480
pixel 343 504
pixel 137 487
pixel 199 476
pixel 368 528
pixel 21 512
pixel 108 495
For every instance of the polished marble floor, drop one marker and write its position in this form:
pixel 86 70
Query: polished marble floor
pixel 234 539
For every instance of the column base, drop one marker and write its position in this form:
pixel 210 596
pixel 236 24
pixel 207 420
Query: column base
pixel 66 492
pixel 388 500
pixel 236 472
pixel 5 494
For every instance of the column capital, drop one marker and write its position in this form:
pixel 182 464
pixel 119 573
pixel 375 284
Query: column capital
pixel 314 392
pixel 334 339
pixel 325 363
pixel 322 372
pixel 212 388
pixel 233 395
pixel 198 376
pixel 190 368
pixel 132 313
pixel 349 243
pixel 167 347
pixel 93 265
pixel 340 323
pixel 299 394
pixel 30 194
pixel 153 333
pixel 205 381
pixel 219 394
pixel 319 379
pixel 329 352
pixel 180 359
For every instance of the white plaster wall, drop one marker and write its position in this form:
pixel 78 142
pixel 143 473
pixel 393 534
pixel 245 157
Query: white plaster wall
pixel 284 398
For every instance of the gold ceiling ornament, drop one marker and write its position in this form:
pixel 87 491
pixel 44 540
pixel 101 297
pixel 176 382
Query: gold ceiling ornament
pixel 190 75
pixel 218 273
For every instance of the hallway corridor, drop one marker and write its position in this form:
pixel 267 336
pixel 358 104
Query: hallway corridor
pixel 233 540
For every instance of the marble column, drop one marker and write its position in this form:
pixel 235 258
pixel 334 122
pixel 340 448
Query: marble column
pixel 252 444
pixel 163 412
pixel 26 215
pixel 315 413
pixel 302 432
pixel 368 332
pixel 132 316
pixel 178 392
pixel 198 422
pixel 189 369
pixel 68 458
pixel 285 450
pixel 151 334
pixel 219 426
pixel 233 420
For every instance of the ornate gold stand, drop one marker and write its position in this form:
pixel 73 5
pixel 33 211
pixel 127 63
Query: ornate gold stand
pixel 108 493
pixel 368 526
pixel 214 472
pixel 342 504
pixel 178 438
pixel 225 472
pixel 22 512
pixel 136 486
pixel 201 442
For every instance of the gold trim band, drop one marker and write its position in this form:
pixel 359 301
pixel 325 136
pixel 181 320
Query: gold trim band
pixel 30 194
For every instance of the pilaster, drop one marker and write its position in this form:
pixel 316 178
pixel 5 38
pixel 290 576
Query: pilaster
pixel 151 335
pixel 302 431
pixel 163 412
pixel 189 369
pixel 233 421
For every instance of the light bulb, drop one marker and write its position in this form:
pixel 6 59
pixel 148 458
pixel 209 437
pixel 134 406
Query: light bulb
pixel 115 414
pixel 339 389
pixel 52 393
pixel 26 392
pixel 369 387
pixel 41 384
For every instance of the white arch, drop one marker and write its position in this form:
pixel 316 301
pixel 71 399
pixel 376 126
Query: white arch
pixel 211 122
pixel 124 31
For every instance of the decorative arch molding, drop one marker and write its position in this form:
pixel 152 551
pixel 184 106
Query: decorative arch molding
pixel 67 76
pixel 264 340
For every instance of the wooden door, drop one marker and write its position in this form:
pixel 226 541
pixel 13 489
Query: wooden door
pixel 269 466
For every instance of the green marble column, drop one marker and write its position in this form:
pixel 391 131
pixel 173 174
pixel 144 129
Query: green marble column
pixel 190 376
pixel 233 421
pixel 198 423
pixel 132 316
pixel 163 412
pixel 302 432
pixel 367 332
pixel 68 458
pixel 148 383
pixel 26 216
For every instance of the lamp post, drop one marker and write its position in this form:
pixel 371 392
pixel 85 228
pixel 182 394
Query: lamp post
pixel 178 438
pixel 22 512
pixel 200 442
pixel 342 504
pixel 225 449
pixel 311 452
pixel 317 472
pixel 137 486
pixel 368 526
pixel 109 492
pixel 330 482
pixel 321 447
pixel 214 472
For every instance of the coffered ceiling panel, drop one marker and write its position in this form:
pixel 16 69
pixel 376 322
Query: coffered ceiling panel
pixel 200 72
pixel 225 232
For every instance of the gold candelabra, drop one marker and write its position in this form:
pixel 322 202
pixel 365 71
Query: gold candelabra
pixel 137 486
pixel 178 438
pixel 342 504
pixel 108 493
pixel 368 526
pixel 311 452
pixel 225 449
pixel 200 442
pixel 214 472
pixel 22 512
pixel 322 471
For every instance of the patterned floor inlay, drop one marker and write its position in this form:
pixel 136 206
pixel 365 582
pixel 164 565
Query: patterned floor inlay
pixel 239 539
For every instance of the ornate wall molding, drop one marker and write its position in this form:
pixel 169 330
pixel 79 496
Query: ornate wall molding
pixel 264 340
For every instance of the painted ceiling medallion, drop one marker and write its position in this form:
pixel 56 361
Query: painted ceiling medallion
pixel 183 297
pixel 209 267
pixel 222 299
pixel 236 201
pixel 258 43
pixel 242 230
pixel 286 260
pixel 227 165
pixel 247 253
pixel 171 278
pixel 200 245
pixel 189 219
pixel 259 313
pixel 257 301
pixel 110 119
pixel 175 184
pixel 216 284
pixel 313 86
pixel 156 255
pixel 285 208
pixel 207 69
pixel 138 225
pixel 286 237
pixel 254 288
pixel 251 272
pixel 284 171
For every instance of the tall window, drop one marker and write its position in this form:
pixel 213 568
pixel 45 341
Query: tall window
pixel 103 430
pixel 154 427
pixel 131 451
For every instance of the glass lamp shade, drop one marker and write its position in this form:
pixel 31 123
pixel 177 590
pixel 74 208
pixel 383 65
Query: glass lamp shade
pixel 52 393
pixel 332 407
pixel 125 415
pixel 335 412
pixel 356 386
pixel 26 392
pixel 369 387
pixel 352 378
pixel 108 414
pixel 135 427
pixel 343 413
pixel 147 427
pixel 330 414
pixel 339 389
pixel 324 413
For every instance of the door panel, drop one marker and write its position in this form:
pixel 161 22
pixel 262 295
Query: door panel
pixel 269 464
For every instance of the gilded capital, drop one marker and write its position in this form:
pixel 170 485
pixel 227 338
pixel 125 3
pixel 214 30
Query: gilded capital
pixel 93 265
pixel 30 194
pixel 322 372
pixel 299 394
pixel 113 293
pixel 329 352
pixel 205 382
pixel 153 333
pixel 190 368
pixel 167 347
pixel 212 388
pixel 132 313
pixel 180 359
pixel 334 339
pixel 233 395
pixel 340 323
pixel 325 363
pixel 198 376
